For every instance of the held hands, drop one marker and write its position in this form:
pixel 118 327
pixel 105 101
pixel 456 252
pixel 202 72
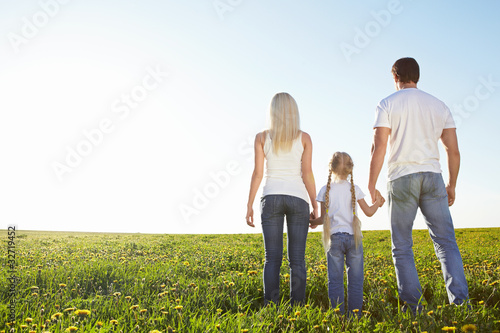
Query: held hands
pixel 314 221
pixel 377 198
pixel 311 221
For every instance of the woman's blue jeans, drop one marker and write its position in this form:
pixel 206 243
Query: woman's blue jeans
pixel 427 191
pixel 343 248
pixel 273 210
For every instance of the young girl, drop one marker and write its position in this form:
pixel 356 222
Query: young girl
pixel 342 232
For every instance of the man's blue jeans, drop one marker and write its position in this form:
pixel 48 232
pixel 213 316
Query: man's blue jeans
pixel 427 191
pixel 273 210
pixel 343 246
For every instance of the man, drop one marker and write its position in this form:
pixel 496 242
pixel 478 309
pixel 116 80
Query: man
pixel 413 121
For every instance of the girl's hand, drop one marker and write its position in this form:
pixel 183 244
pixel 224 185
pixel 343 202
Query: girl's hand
pixel 249 217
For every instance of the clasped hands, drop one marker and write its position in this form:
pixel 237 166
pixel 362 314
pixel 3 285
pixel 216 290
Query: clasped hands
pixel 377 198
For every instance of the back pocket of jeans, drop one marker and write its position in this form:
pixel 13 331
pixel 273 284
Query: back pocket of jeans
pixel 399 189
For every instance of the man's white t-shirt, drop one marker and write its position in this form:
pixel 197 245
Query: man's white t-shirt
pixel 340 208
pixel 416 120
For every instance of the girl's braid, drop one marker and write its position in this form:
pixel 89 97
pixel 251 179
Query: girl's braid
pixel 356 223
pixel 326 218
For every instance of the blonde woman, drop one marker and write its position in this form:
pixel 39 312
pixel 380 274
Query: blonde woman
pixel 289 187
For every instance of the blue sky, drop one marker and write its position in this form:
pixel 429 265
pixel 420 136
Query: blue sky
pixel 130 116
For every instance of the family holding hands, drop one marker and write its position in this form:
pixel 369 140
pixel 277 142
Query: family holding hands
pixel 411 122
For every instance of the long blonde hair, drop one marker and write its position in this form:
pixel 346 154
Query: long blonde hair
pixel 341 166
pixel 285 122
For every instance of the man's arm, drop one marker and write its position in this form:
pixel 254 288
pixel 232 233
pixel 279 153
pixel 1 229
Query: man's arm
pixel 379 147
pixel 450 143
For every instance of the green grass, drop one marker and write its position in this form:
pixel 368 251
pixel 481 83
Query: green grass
pixel 213 283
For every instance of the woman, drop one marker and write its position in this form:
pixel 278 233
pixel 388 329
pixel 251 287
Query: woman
pixel 288 188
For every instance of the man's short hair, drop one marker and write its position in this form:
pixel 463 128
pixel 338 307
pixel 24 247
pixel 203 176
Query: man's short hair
pixel 406 70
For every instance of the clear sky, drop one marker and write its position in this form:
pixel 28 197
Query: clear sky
pixel 139 116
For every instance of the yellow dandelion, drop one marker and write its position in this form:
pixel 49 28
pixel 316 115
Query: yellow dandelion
pixel 56 316
pixel 430 313
pixel 494 283
pixel 469 328
pixel 24 326
pixel 82 313
pixel 355 310
pixel 179 307
pixel 154 331
pixel 231 284
pixel 99 324
pixel 72 329
pixel 481 302
pixel 143 310
pixel 316 327
pixel 186 263
pixel 29 320
pixel 244 330
pixel 113 321
pixel 133 307
pixel 217 326
pixel 62 285
pixel 297 314
pixel 69 309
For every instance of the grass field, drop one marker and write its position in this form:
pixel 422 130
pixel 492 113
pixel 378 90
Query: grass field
pixel 88 282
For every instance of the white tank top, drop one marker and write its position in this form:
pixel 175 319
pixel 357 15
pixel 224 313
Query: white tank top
pixel 284 170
